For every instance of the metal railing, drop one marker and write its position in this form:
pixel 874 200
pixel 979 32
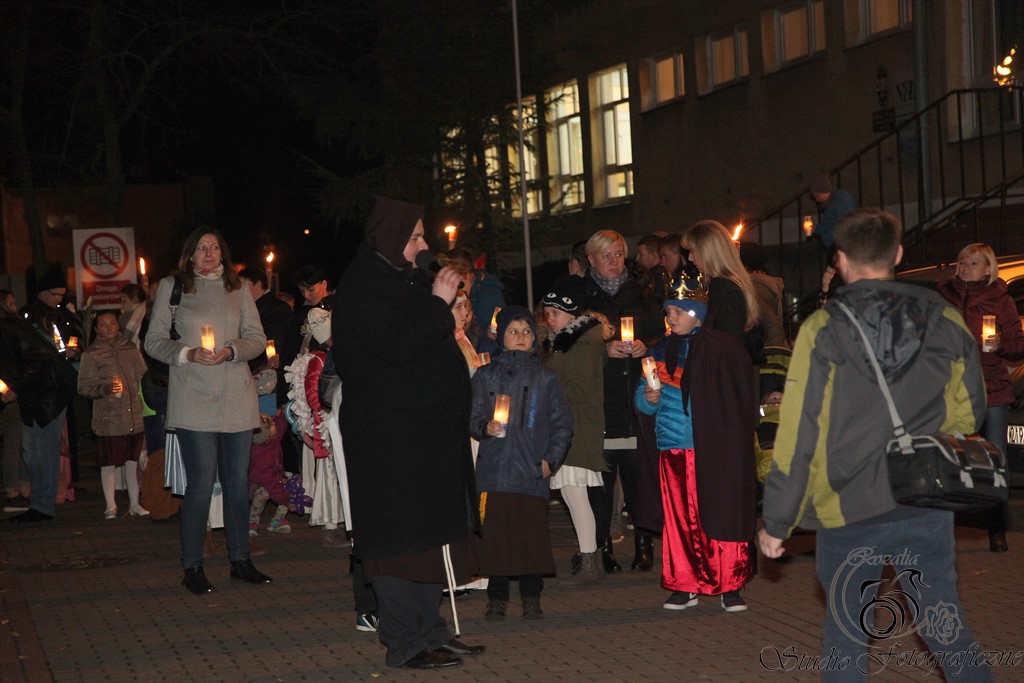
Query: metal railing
pixel 950 158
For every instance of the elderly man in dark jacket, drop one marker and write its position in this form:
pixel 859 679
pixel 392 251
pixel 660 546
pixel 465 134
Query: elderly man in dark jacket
pixel 404 421
pixel 44 384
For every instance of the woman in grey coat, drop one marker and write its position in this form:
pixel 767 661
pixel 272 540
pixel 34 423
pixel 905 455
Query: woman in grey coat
pixel 212 402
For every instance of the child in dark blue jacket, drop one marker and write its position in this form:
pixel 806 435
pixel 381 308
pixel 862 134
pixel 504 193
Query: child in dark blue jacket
pixel 512 471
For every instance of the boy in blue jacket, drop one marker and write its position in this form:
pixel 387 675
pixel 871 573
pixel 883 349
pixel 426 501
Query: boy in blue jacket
pixel 515 461
pixel 693 562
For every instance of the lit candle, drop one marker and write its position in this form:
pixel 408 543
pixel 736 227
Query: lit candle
pixel 988 329
pixel 808 226
pixel 736 233
pixel 209 340
pixel 271 349
pixel 117 385
pixel 452 233
pixel 57 341
pixel 483 359
pixel 3 387
pixel 493 327
pixel 72 342
pixel 626 326
pixel 651 373
pixel 501 405
pixel 142 273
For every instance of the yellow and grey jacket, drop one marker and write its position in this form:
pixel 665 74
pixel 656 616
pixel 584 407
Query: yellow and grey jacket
pixel 829 468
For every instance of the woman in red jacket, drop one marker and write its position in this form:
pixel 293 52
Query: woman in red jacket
pixel 976 290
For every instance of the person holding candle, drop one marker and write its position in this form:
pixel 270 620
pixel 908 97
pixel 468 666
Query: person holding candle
pixel 404 422
pixel 520 447
pixel 212 401
pixel 574 347
pixel 610 291
pixel 111 372
pixel 133 320
pixel 707 479
pixel 977 291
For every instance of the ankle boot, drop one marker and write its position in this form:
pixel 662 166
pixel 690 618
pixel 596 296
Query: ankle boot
pixel 997 541
pixel 611 565
pixel 243 569
pixel 195 580
pixel 643 558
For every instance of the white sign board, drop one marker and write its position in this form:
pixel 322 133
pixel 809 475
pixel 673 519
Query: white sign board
pixel 104 264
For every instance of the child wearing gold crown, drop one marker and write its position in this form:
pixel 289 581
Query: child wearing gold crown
pixel 704 481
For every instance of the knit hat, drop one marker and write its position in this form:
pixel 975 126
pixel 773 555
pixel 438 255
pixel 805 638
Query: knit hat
pixel 821 183
pixel 562 298
pixel 510 313
pixel 697 309
pixel 51 279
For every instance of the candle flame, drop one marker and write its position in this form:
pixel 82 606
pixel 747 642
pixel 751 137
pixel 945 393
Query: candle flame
pixel 1003 73
pixel 270 257
pixel 142 266
pixel 449 229
pixel 737 231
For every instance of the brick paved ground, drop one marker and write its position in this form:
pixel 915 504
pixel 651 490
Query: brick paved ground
pixel 84 599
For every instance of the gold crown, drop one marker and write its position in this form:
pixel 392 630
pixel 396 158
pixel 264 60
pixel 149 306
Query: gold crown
pixel 682 290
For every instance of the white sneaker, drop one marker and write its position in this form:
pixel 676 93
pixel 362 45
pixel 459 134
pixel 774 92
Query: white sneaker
pixel 138 511
pixel 110 513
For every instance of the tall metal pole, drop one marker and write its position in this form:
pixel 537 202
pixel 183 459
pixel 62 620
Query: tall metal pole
pixel 921 95
pixel 522 159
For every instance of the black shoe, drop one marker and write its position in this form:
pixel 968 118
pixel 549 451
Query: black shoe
pixel 432 659
pixel 496 609
pixel 459 593
pixel 611 565
pixel 643 558
pixel 195 580
pixel 244 570
pixel 17 503
pixel 458 649
pixel 997 541
pixel 32 515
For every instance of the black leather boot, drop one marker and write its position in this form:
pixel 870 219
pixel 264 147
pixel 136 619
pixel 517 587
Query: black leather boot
pixel 608 556
pixel 244 570
pixel 195 580
pixel 643 558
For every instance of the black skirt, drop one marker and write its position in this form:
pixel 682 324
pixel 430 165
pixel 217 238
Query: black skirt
pixel 516 539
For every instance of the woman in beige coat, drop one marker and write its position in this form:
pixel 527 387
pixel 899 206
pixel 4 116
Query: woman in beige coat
pixel 212 402
pixel 111 371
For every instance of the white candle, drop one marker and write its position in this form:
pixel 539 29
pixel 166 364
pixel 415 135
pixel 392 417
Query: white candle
pixel 651 372
pixel 209 339
pixel 493 327
pixel 988 329
pixel 808 226
pixel 626 326
pixel 271 348
pixel 117 385
pixel 501 406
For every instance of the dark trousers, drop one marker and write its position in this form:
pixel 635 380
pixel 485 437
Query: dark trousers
pixel 499 587
pixel 623 463
pixel 362 593
pixel 994 430
pixel 410 618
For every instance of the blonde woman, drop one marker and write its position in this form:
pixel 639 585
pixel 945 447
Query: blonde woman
pixel 732 299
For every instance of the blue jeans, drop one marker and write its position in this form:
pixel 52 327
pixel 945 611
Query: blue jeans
pixel 994 429
pixel 922 552
pixel 42 459
pixel 208 456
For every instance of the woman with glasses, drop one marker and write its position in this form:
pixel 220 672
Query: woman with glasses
pixel 212 403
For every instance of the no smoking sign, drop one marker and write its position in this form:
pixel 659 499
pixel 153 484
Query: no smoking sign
pixel 104 264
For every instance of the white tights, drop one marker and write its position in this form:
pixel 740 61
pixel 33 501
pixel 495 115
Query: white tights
pixel 582 514
pixel 107 478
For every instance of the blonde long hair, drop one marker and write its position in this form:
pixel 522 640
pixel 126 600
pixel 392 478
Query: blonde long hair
pixel 722 259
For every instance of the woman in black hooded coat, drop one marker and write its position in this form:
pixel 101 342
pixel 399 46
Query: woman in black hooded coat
pixel 404 422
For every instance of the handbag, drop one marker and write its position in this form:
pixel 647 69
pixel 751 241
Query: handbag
pixel 939 470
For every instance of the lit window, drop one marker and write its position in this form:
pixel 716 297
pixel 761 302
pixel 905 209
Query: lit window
pixel 531 139
pixel 565 146
pixel 453 166
pixel 793 32
pixel 727 57
pixel 885 15
pixel 661 80
pixel 614 175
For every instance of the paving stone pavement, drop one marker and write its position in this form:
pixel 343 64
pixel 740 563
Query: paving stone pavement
pixel 85 599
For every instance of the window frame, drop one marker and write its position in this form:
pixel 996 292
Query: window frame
pixel 741 57
pixel 650 90
pixel 560 136
pixel 608 138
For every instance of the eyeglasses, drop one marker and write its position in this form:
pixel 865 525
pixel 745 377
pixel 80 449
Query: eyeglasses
pixel 208 248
